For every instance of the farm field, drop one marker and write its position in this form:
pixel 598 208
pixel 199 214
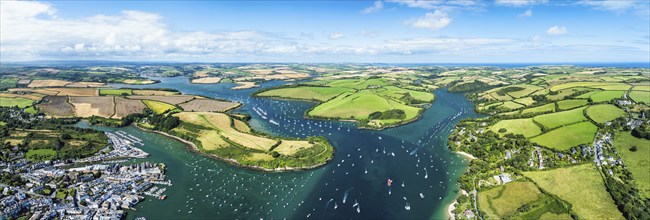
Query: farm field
pixel 220 137
pixel 208 105
pixel 147 92
pixel 39 91
pixel 604 113
pixel 562 94
pixel 359 105
pixel 558 119
pixel 20 102
pixel 37 83
pixel 56 106
pixel 241 126
pixel 170 99
pixel 206 80
pixel 158 107
pixel 8 83
pixel 288 147
pixel 591 201
pixel 550 107
pixel 74 91
pixel 245 85
pixel 86 84
pixel 31 96
pixel 102 106
pixel 606 96
pixel 504 200
pixel 138 81
pixel 115 92
pixel 524 126
pixel 637 161
pixel 571 103
pixel 568 136
pixel 305 93
pixel 124 107
pixel 640 96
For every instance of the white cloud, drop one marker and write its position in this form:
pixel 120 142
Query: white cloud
pixel 426 4
pixel 33 31
pixel 527 13
pixel 433 21
pixel 611 5
pixel 375 7
pixel 556 30
pixel 335 36
pixel 519 3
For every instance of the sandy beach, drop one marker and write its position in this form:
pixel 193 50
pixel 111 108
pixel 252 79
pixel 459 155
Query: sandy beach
pixel 465 154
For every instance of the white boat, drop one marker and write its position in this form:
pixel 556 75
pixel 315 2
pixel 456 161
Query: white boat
pixel 358 209
pixel 421 195
pixel 355 203
pixel 407 207
pixel 336 205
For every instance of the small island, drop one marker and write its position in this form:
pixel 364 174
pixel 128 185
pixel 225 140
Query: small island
pixel 372 102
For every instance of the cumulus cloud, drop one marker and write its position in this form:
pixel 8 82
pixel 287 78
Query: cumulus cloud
pixel 375 7
pixel 519 3
pixel 33 30
pixel 556 30
pixel 527 13
pixel 432 20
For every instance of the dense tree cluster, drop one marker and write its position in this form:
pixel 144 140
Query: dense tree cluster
pixel 477 85
pixel 388 114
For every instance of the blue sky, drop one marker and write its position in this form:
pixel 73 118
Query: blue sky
pixel 393 31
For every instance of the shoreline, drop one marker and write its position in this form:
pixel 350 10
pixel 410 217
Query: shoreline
pixel 234 162
pixel 466 155
pixel 450 210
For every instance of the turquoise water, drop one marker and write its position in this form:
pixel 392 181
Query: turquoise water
pixel 414 155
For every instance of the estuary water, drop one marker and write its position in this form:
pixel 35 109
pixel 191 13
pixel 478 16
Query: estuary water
pixel 351 186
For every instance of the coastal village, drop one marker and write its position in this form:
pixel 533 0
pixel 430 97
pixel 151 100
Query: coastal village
pixel 95 187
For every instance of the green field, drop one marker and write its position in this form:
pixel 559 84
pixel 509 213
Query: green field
pixel 568 136
pixel 604 113
pixel 20 102
pixel 40 154
pixel 503 201
pixel 524 126
pixel 571 103
pixel 510 105
pixel 158 107
pixel 606 96
pixel 8 83
pixel 356 99
pixel 305 92
pixel 640 96
pixel 558 119
pixel 359 105
pixel 398 93
pixel 115 92
pixel 637 161
pixel 527 101
pixel 539 109
pixel 581 186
